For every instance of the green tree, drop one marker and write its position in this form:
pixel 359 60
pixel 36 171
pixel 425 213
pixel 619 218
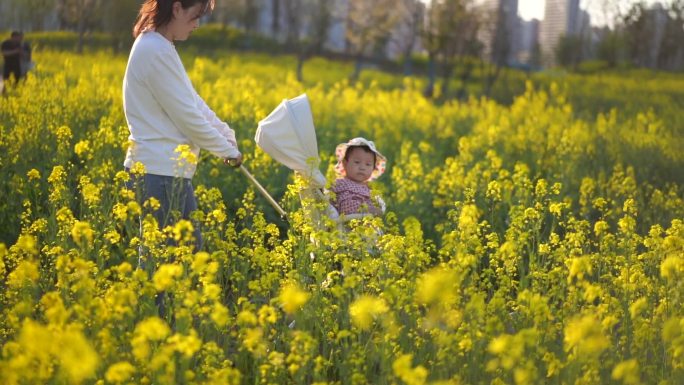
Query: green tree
pixel 307 26
pixel 671 55
pixel 369 22
pixel 498 27
pixel 611 48
pixel 569 51
pixel 244 13
pixel 81 15
pixel 450 37
pixel 118 19
pixel 411 18
pixel 30 14
pixel 638 32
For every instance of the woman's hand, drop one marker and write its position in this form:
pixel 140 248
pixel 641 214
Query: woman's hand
pixel 233 162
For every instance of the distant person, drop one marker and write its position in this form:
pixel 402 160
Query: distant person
pixel 12 54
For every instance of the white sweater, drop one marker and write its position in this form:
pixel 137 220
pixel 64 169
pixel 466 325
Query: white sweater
pixel 163 111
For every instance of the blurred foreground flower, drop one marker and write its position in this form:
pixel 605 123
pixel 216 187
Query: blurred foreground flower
pixel 292 298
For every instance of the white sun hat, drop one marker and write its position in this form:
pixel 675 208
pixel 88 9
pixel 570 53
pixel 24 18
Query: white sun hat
pixel 341 151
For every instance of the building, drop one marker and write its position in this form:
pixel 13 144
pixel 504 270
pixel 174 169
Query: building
pixel 272 21
pixel 500 34
pixel 561 18
pixel 657 17
pixel 528 44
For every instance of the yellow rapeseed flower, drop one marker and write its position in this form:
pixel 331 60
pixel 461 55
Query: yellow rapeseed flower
pixel 674 330
pixel 56 179
pixel 366 309
pixel 33 174
pixel 185 155
pixel 82 233
pixel 585 335
pixel 39 226
pixel 253 341
pixel 183 230
pixel 34 351
pixel 186 345
pixel 403 369
pixel 494 191
pixel 133 208
pixel 437 285
pixel 150 329
pixel 672 267
pixel 122 177
pixel 138 169
pixel 166 276
pixel 219 215
pixel 27 243
pixel 468 219
pixel 113 237
pixel 119 372
pixel 91 194
pixel 153 329
pixel 627 372
pixel 25 273
pixel 63 133
pixel 292 298
pixel 267 315
pixel 600 228
pixel 246 318
pixel 578 268
pixel 212 291
pixel 3 253
pixel 82 148
pixel 220 314
pixel 152 203
pixel 55 312
pixel 120 211
pixel 77 357
pixel 638 307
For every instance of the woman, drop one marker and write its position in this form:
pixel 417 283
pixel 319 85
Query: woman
pixel 168 121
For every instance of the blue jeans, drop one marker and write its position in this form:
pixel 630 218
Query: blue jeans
pixel 176 198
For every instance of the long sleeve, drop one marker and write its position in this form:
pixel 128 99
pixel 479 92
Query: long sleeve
pixel 222 127
pixel 163 111
pixel 171 87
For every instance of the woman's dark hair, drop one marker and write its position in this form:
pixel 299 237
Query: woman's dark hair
pixel 156 13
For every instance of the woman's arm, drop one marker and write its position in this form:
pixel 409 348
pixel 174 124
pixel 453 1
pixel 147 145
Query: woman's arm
pixel 222 127
pixel 170 85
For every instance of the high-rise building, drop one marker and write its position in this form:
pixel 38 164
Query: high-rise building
pixel 561 18
pixel 529 41
pixel 657 17
pixel 501 32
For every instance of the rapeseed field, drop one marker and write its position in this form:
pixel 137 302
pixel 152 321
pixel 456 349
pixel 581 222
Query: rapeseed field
pixel 529 243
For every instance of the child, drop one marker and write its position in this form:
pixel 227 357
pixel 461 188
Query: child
pixel 358 162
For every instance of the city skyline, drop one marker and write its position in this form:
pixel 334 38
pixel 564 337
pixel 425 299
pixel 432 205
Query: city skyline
pixel 534 9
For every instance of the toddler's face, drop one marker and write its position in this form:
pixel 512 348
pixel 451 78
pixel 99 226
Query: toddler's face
pixel 359 164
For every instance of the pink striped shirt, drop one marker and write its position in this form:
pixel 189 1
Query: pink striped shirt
pixel 351 197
